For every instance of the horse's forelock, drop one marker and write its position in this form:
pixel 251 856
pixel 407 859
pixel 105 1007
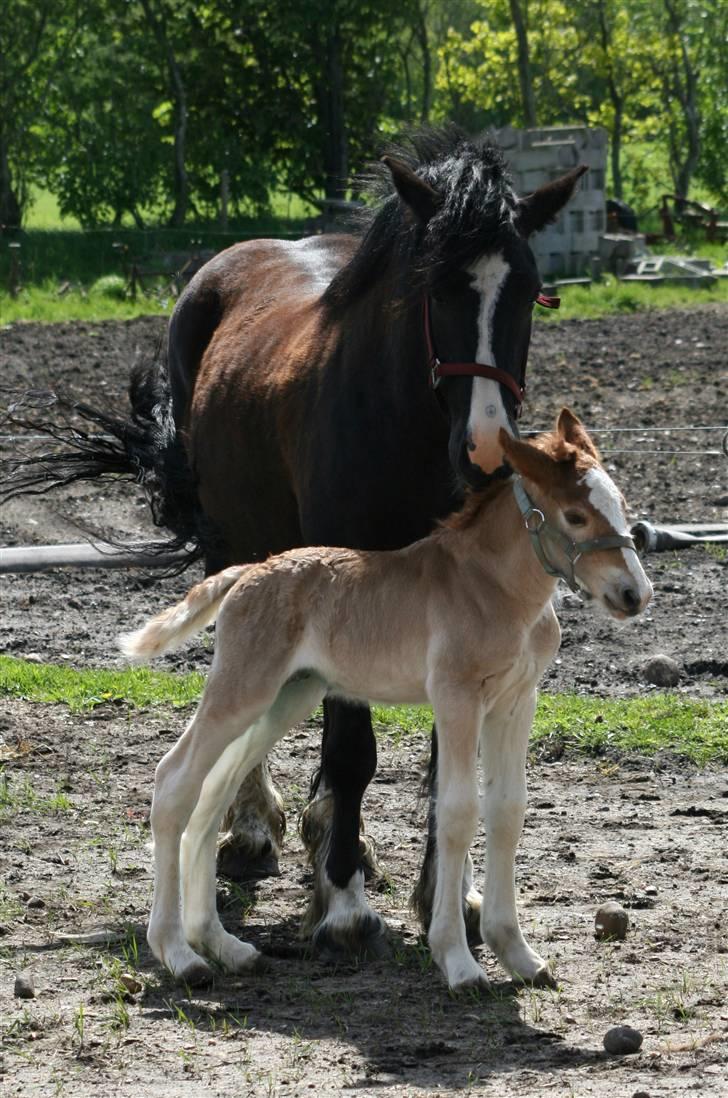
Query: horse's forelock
pixel 475 217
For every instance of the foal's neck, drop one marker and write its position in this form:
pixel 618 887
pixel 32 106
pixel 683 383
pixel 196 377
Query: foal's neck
pixel 490 528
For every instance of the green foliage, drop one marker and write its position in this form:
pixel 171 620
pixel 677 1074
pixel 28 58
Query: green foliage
pixel 113 286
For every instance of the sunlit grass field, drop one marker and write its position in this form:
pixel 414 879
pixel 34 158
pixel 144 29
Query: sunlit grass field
pixel 65 272
pixel 693 729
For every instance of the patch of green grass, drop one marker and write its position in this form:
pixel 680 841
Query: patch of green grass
pixel 44 305
pixel 85 689
pixel 690 727
pixel 611 297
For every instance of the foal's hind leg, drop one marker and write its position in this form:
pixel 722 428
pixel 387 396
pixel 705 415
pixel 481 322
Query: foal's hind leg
pixel 339 918
pixel 424 891
pixel 202 925
pixel 178 781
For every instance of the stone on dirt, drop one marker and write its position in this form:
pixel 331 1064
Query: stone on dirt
pixel 24 986
pixel 622 1040
pixel 661 670
pixel 611 922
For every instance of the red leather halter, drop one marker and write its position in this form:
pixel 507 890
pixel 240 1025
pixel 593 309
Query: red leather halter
pixel 439 369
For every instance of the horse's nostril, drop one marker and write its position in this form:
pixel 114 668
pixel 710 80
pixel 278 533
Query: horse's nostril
pixel 630 599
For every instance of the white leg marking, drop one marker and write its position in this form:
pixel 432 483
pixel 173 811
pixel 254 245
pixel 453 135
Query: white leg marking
pixel 504 742
pixel 202 925
pixel 457 818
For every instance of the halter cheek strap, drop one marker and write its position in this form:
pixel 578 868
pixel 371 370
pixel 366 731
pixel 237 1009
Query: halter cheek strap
pixel 538 527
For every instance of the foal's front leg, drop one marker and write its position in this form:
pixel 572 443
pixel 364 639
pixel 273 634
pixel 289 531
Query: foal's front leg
pixel 504 743
pixel 458 722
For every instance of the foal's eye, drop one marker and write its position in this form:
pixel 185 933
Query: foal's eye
pixel 575 518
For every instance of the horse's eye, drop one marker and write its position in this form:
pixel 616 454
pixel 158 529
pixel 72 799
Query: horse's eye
pixel 575 518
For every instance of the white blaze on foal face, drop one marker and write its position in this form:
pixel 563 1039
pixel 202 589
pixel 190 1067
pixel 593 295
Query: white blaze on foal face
pixel 487 411
pixel 605 498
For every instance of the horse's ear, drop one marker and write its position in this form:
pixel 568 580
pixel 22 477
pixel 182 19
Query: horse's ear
pixel 418 195
pixel 572 430
pixel 536 210
pixel 526 459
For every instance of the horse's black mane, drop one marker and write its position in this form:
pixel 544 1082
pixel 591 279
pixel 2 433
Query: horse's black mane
pixel 474 217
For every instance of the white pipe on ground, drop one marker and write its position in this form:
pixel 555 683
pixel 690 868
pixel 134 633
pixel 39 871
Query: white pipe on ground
pixel 86 554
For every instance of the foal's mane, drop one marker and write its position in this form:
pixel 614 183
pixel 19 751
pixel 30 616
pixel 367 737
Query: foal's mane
pixel 474 217
pixel 566 454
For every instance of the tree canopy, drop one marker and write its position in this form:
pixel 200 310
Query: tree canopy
pixel 165 111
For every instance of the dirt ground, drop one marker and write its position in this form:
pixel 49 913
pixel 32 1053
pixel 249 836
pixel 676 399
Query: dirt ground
pixel 75 794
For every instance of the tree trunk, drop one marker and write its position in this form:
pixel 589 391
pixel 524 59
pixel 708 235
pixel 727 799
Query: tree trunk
pixel 10 209
pixel 686 92
pixel 330 101
pixel 616 151
pixel 524 63
pixel 424 44
pixel 617 103
pixel 179 95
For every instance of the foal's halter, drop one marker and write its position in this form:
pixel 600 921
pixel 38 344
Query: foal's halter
pixel 439 369
pixel 538 527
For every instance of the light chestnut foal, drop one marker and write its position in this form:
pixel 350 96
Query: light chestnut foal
pixel 462 619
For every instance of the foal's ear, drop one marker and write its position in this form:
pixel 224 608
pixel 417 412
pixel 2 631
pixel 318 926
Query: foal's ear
pixel 421 198
pixel 572 430
pixel 526 458
pixel 537 209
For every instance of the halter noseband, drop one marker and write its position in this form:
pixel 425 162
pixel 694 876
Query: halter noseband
pixel 537 525
pixel 439 369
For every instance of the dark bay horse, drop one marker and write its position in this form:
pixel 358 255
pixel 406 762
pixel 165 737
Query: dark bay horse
pixel 341 390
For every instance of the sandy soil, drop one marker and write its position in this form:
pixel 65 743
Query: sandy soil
pixel 75 793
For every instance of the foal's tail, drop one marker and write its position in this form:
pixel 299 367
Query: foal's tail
pixel 173 626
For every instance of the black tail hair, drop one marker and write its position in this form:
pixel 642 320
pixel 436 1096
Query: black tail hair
pixel 92 444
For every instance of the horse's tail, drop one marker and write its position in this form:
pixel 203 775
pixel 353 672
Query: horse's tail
pixel 176 624
pixel 90 444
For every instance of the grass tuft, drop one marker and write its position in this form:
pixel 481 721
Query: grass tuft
pixel 689 727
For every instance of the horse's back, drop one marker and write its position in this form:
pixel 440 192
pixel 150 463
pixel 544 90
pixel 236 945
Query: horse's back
pixel 245 343
pixel 235 290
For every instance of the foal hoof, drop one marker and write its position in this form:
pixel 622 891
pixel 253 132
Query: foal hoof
pixel 366 939
pixel 238 863
pixel 544 978
pixel 198 974
pixel 471 914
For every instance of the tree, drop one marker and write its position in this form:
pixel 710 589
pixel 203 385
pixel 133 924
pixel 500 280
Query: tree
pixel 36 40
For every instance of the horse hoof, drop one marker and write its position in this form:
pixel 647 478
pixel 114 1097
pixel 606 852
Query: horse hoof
pixel 478 985
pixel 366 940
pixel 236 864
pixel 471 914
pixel 198 974
pixel 544 978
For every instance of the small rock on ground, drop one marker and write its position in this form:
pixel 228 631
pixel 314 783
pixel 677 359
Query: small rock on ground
pixel 661 670
pixel 621 1040
pixel 24 986
pixel 611 922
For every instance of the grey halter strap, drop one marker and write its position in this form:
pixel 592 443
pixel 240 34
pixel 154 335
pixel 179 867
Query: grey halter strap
pixel 537 526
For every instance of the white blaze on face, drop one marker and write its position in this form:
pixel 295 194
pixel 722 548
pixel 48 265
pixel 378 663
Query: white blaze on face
pixel 487 411
pixel 606 499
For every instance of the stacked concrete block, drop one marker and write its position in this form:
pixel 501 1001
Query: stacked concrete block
pixel 538 156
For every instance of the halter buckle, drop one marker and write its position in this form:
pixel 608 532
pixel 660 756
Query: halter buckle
pixel 435 377
pixel 527 520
